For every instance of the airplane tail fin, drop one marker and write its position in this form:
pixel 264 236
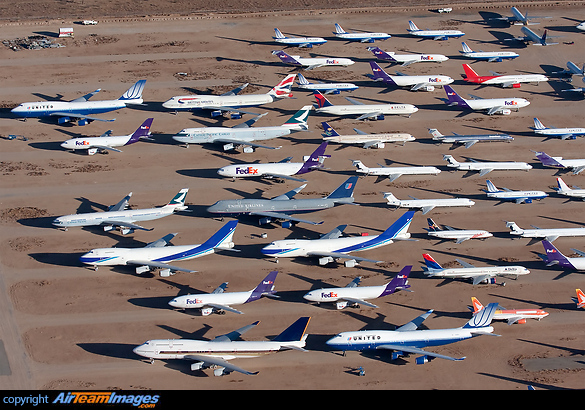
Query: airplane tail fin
pixel 482 318
pixel 514 228
pixel 302 80
pixel 562 186
pixel 454 98
pixel 345 190
pixel 400 226
pixel 547 160
pixel 477 306
pixel 436 134
pixel 223 237
pixel 553 255
pixel 543 38
pixel 379 74
pixel 282 89
pixel 451 160
pixel 381 54
pixel 178 201
pixel 299 119
pixel 315 160
pixel 538 125
pixel 328 130
pixel 469 72
pixel 264 287
pixel 141 132
pixel 490 186
pixel 433 227
pixel 321 100
pixel 278 34
pixel 133 95
pixel 466 48
pixel 359 165
pixel 294 332
pixel 398 282
pixel 339 30
pixel 580 299
pixel 412 26
pixel 285 58
pixel 430 263
pixel 392 200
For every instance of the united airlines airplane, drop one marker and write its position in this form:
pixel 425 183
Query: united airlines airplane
pixel 563 133
pixel 325 88
pixel 303 42
pixel 506 194
pixel 365 37
pixel 434 34
pixel 490 56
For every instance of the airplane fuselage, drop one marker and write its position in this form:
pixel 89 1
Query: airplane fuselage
pixel 413 58
pixel 547 233
pixel 437 34
pixel 422 203
pixel 363 139
pixel 479 166
pixel 505 103
pixel 47 108
pixel 363 37
pixel 505 314
pixel 300 41
pixel 477 271
pixel 259 170
pixel 210 102
pixel 332 61
pixel 250 206
pixel 359 109
pixel 464 139
pixel 104 218
pixel 507 80
pixel 400 170
pixel 335 294
pixel 329 87
pixel 429 80
pixel 203 300
pixel 491 55
pixel 91 142
pixel 209 135
pixel 560 132
pixel 461 233
pixel 514 195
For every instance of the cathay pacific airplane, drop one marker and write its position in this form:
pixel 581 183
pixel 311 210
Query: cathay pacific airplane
pixel 434 34
pixel 413 82
pixel 302 42
pixel 491 106
pixel 363 37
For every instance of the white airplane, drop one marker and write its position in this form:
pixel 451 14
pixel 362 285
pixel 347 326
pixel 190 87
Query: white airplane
pixel 485 167
pixel 365 37
pixel 310 63
pixel 468 140
pixel 303 42
pixel 434 34
pixel 477 275
pixel 363 138
pixel 518 18
pixel 562 133
pixel 364 111
pixel 407 339
pixel 580 26
pixel 580 299
pixel 216 353
pixel 80 109
pixel 563 189
pixel 326 88
pixel 157 255
pixel 414 82
pixel 354 296
pixel 554 257
pixel 506 194
pixel 577 165
pixel 504 81
pixel 550 234
pixel 231 102
pixel 407 59
pixel 490 56
pixel 492 106
pixel 510 315
pixel 220 301
pixel 119 216
pixel 393 173
pixel 426 205
pixel 531 37
pixel 459 235
pixel 107 142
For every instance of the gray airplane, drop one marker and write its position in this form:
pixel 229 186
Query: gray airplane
pixel 468 140
pixel 283 206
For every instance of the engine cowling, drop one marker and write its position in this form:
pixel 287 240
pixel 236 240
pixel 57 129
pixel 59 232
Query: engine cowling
pixel 506 111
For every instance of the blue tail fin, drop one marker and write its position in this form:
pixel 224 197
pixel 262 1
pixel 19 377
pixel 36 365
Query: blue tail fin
pixel 400 226
pixel 223 237
pixel 133 95
pixel 328 130
pixel 483 318
pixel 430 262
pixel 294 332
pixel 344 190
pixel 142 131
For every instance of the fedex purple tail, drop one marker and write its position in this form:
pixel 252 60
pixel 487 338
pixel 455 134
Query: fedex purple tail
pixel 454 98
pixel 381 54
pixel 266 287
pixel 142 132
pixel 554 257
pixel 315 160
pixel 379 74
pixel 547 160
pixel 399 281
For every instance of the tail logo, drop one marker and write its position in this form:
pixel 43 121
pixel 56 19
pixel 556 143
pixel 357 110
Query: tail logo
pixel 348 185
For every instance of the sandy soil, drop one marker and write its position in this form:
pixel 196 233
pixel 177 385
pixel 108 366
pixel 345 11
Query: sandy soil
pixel 67 327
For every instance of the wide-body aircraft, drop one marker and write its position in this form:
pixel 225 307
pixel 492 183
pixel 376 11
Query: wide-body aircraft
pixel 413 30
pixel 504 81
pixel 491 106
pixel 362 37
pixel 364 139
pixel 407 59
pixel 531 37
pixel 564 189
pixel 302 42
pixel 393 173
pixel 485 167
pixel 506 194
pixel 459 235
pixel 426 205
pixel 361 110
pixel 576 165
pixel 554 257
pixel 325 88
pixel 413 82
pixel 510 315
pixel 550 234
pixel 517 18
pixel 563 133
pixel 470 139
pixel 310 63
pixel 490 56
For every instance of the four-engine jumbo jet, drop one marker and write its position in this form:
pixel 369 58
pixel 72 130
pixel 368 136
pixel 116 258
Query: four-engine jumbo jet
pixel 563 189
pixel 415 82
pixel 486 167
pixel 426 205
pixel 504 81
pixel 80 109
pixel 459 235
pixel 506 194
pixel 510 315
pixel 363 138
pixel 477 275
pixel 326 88
pixel 413 30
pixel 363 111
pixel 364 37
pixel 310 63
pixel 302 42
pixel 468 140
pixel 576 165
pixel 331 246
pixel 562 133
pixel 157 255
pixel 550 234
pixel 107 142
pixel 217 352
pixel 531 37
pixel 220 301
pixel 352 295
pixel 407 339
pixel 406 59
pixel 554 257
pixel 118 215
pixel 490 56
pixel 393 173
pixel 492 106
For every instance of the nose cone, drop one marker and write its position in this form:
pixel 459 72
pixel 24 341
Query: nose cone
pixel 414 108
pixel 215 208
pixel 142 350
pixel 57 222
pixel 17 110
pixel 176 303
pixel 170 103
pixel 223 172
pixel 311 296
pixel 335 341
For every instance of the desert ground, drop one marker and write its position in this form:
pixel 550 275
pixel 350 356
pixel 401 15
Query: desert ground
pixel 67 326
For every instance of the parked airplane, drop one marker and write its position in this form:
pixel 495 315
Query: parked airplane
pixel 426 205
pixel 363 138
pixel 490 56
pixel 485 167
pixel 576 165
pixel 231 102
pixel 506 194
pixel 434 34
pixel 393 173
pixel 468 140
pixel 244 134
pixel 492 106
pixel 119 216
pixel 217 352
pixel 80 109
pixel 580 299
pixel 574 70
pixel 107 142
pixel 365 111
pixel 284 206
pixel 157 255
pixel 486 274
pixel 562 133
pixel 327 88
pixel 459 235
pixel 504 81
pixel 364 37
pixel 304 42
pixel 531 37
pixel 415 82
pixel 310 63
pixel 554 257
pixel 354 296
pixel 563 189
pixel 407 339
pixel 550 234
pixel 510 315
pixel 518 18
pixel 332 246
pixel 407 59
pixel 220 301
pixel 580 26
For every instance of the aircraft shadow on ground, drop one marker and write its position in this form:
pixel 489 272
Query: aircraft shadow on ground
pixel 69 259
pixel 115 350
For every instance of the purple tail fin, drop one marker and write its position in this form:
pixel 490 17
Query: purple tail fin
pixel 398 282
pixel 379 74
pixel 381 54
pixel 554 256
pixel 548 161
pixel 454 98
pixel 142 131
pixel 264 287
pixel 315 160
pixel 285 58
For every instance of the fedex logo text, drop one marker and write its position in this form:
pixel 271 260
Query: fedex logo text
pixel 81 143
pixel 510 102
pixel 328 295
pixel 246 171
pixel 193 301
pixel 426 58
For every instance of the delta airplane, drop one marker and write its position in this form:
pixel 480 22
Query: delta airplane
pixel 459 235
pixel 407 59
pixel 354 296
pixel 327 88
pixel 510 315
pixel 365 111
pixel 119 216
pixel 426 205
pixel 331 246
pixel 506 194
pixel 577 165
pixel 244 134
pixel 310 63
pixel 363 138
pixel 504 81
pixel 553 257
pixel 216 353
pixel 415 82
pixel 492 106
pixel 562 133
pixel 283 169
pixel 301 42
pixel 220 301
pixel 434 34
pixel 80 109
pixel 485 274
pixel 231 102
pixel 284 206
pixel 157 255
pixel 531 37
pixel 393 173
pixel 563 189
pixel 518 18
pixel 107 142
pixel 407 339
pixel 550 234
pixel 468 140
pixel 580 299
pixel 485 167
pixel 361 37
pixel 490 56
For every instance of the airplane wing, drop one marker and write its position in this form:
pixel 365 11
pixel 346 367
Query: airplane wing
pixel 355 102
pixel 520 200
pixel 485 171
pixel 107 133
pixel 427 209
pixel 417 87
pixel 224 307
pixel 220 289
pixel 369 115
pixel 159 243
pixel 120 206
pixel 106 147
pixel 415 323
pixel 231 336
pixel 236 90
pixel 470 143
pixel 577 170
pixel 494 110
pixel 313 66
pixel 509 83
pixel 578 252
pixel 360 301
pixel 159 265
pixel 334 233
pixel 392 177
pixel 368 144
pixel 290 194
pixel 286 177
pixel 354 283
pixel 228 109
pixel 465 264
pixel 127 225
pixel 409 62
pixel 360 132
pixel 278 215
pixel 513 320
pixel 86 96
pixel 250 122
pixel 80 116
pixel 415 350
pixel 462 239
pixel 210 360
pixel 551 238
pixel 240 142
pixel 480 278
pixel 341 255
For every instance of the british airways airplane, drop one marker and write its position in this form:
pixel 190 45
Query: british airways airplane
pixel 434 34
pixel 303 42
pixel 366 37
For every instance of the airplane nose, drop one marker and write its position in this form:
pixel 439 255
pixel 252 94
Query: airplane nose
pixel 175 303
pixel 222 172
pixel 310 297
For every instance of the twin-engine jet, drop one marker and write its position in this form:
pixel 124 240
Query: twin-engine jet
pixel 504 81
pixel 363 111
pixel 491 106
pixel 433 34
pixel 406 59
pixel 563 133
pixel 517 18
pixel 302 42
pixel 486 167
pixel 365 37
pixel 393 173
pixel 325 88
pixel 490 56
pixel 459 235
pixel 310 63
pixel 510 315
pixel 506 194
pixel 413 82
pixel 363 138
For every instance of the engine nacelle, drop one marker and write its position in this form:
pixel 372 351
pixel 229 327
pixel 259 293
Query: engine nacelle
pixel 108 228
pixel 92 151
pixel 219 371
pixel 235 115
pixel 516 85
pixel 380 117
pixel 228 147
pixel 506 111
pixel 429 88
pixel 350 263
pixel 126 231
pixel 422 359
pixel 286 224
pixel 325 260
pixel 264 221
pixel 216 113
pixel 142 269
pixel 248 150
pixel 341 304
pixel 206 311
pixel 63 120
pixel 396 354
pixel 83 121
pixel 528 201
pixel 165 273
pixel 336 92
pixel 196 366
pixel 521 321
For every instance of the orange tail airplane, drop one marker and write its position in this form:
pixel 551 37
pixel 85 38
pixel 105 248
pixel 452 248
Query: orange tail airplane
pixel 580 299
pixel 512 315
